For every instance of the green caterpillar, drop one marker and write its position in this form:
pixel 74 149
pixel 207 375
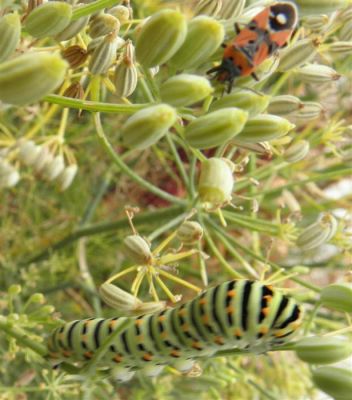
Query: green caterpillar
pixel 237 314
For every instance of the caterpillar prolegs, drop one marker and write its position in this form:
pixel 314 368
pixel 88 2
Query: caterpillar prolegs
pixel 240 314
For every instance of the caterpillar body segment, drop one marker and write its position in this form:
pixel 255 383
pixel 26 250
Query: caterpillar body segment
pixel 240 314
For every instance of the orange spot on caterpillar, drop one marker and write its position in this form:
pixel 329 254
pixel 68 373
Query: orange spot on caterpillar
pixel 182 311
pixel 231 293
pixel 203 301
pixel 66 353
pixel 88 354
pixel 138 322
pixel 230 310
pixel 147 357
pixel 175 353
pixel 263 330
pixel 205 319
pixel 265 311
pixel 185 327
pixel 238 332
pixel 117 358
pixel 140 338
pixel 219 340
pixel 197 345
pixel 161 318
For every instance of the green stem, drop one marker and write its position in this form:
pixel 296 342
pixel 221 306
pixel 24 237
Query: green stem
pixel 251 223
pixel 129 172
pixel 167 227
pixel 94 106
pixel 92 8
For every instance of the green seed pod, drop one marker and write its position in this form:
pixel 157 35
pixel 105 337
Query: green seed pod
pixel 126 74
pixel 253 103
pixel 67 176
pixel 318 233
pixel 37 298
pixel 264 127
pixel 208 7
pixel 216 128
pixel 216 182
pixel 311 7
pixel 284 105
pixel 204 36
pixel 104 55
pixel 345 33
pixel 161 36
pixel 102 25
pixel 335 381
pixel 309 110
pixel 297 151
pixel 298 54
pixel 231 8
pixel 315 23
pixel 49 19
pixel 122 13
pixel 147 126
pixel 184 90
pixel 323 350
pixel 75 55
pixel 117 298
pixel 10 33
pixel 316 73
pixel 13 290
pixel 29 77
pixel 337 296
pixel 339 48
pixel 28 152
pixel 190 232
pixel 72 29
pixel 262 148
pixel 137 250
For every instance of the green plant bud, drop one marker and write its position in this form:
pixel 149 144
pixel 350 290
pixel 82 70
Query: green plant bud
pixel 147 126
pixel 137 250
pixel 316 73
pixel 126 74
pixel 311 7
pixel 309 110
pixel 184 90
pixel 216 128
pixel 75 55
pixel 297 151
pixel 10 33
pixel 72 29
pixel 67 176
pixel 216 182
pixel 315 23
pixel 37 298
pixel 345 33
pixel 335 381
pixel 253 103
pixel 264 127
pixel 150 307
pixel 204 36
pixel 323 350
pixel 122 13
pixel 190 232
pixel 337 296
pixel 49 19
pixel 103 55
pixel 208 7
pixel 317 233
pixel 339 48
pixel 262 148
pixel 284 105
pixel 117 298
pixel 231 8
pixel 102 25
pixel 29 77
pixel 54 168
pixel 13 290
pixel 160 37
pixel 28 152
pixel 298 54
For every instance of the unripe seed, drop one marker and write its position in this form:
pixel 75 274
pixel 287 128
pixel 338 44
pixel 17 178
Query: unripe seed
pixel 316 73
pixel 284 105
pixel 126 73
pixel 339 48
pixel 67 176
pixel 137 249
pixel 104 55
pixel 231 8
pixel 147 126
pixel 317 233
pixel 216 182
pixel 345 33
pixel 216 128
pixel 13 290
pixel 37 298
pixel 44 157
pixel 28 152
pixel 208 7
pixel 315 23
pixel 184 90
pixel 30 77
pixel 72 29
pixel 297 151
pixel 298 54
pixel 264 127
pixel 204 36
pixel 161 36
pixel 262 148
pixel 323 350
pixel 75 55
pixel 53 169
pixel 117 298
pixel 102 25
pixel 335 381
pixel 122 13
pixel 49 19
pixel 337 296
pixel 253 103
pixel 190 232
pixel 309 110
pixel 311 7
pixel 10 32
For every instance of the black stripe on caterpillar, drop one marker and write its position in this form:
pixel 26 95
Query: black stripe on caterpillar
pixel 241 314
